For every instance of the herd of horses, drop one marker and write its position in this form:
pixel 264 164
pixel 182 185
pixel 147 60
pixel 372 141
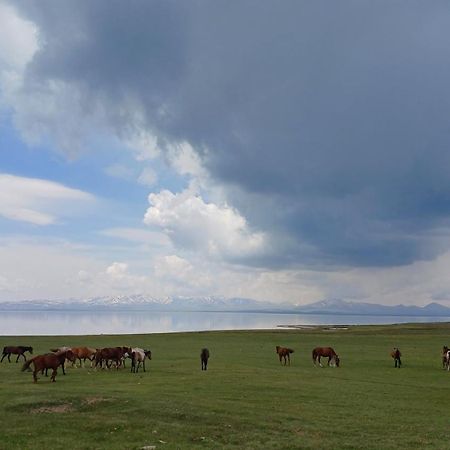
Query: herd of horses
pixel 105 358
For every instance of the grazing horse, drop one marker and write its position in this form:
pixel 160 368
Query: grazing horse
pixel 396 355
pixel 284 353
pixel 19 351
pixel 204 356
pixel 326 352
pixel 445 349
pixel 48 361
pixel 138 356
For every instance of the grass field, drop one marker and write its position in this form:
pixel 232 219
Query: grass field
pixel 244 400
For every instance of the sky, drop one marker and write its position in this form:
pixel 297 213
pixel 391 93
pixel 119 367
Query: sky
pixel 286 152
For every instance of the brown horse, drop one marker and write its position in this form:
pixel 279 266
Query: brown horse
pixel 108 355
pixel 284 353
pixel 396 355
pixel 48 361
pixel 19 351
pixel 83 353
pixel 326 352
pixel 204 356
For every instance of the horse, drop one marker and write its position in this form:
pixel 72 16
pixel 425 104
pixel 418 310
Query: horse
pixel 19 351
pixel 110 354
pixel 138 356
pixel 396 354
pixel 48 361
pixel 445 349
pixel 326 352
pixel 284 353
pixel 83 353
pixel 204 356
pixel 446 359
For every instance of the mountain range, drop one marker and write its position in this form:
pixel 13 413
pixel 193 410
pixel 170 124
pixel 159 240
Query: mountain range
pixel 146 303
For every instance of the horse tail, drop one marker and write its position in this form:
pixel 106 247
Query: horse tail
pixel 27 364
pixel 314 354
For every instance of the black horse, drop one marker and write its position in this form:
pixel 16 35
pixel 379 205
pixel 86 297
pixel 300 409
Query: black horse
pixel 204 356
pixel 19 351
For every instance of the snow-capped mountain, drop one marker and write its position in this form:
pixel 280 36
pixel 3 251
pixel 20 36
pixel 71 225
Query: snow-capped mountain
pixel 211 303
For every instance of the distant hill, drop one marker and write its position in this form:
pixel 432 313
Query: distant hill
pixel 143 302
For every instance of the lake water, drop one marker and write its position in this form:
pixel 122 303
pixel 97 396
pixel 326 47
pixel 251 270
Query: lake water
pixel 13 323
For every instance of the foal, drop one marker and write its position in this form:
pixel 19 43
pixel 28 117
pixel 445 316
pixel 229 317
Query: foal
pixel 284 353
pixel 204 356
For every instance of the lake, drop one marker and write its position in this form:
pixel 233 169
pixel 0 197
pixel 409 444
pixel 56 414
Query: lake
pixel 30 323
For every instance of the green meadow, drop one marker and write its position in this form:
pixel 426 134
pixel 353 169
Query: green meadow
pixel 246 399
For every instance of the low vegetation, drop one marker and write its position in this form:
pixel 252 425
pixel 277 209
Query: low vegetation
pixel 245 399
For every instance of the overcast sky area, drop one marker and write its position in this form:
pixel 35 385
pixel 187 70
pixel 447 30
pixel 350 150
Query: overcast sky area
pixel 289 152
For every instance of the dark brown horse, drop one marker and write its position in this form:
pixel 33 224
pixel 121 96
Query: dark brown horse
pixel 204 356
pixel 326 352
pixel 396 355
pixel 445 349
pixel 284 353
pixel 48 361
pixel 108 355
pixel 19 351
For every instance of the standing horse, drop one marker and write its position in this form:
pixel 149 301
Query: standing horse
pixel 204 356
pixel 48 361
pixel 19 351
pixel 83 353
pixel 326 352
pixel 396 355
pixel 138 356
pixel 445 349
pixel 284 353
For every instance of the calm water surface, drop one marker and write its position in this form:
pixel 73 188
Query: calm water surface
pixel 137 322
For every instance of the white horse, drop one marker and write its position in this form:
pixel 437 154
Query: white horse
pixel 447 360
pixel 138 356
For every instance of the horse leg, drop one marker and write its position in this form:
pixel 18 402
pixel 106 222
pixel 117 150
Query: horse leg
pixel 54 372
pixel 143 365
pixel 35 375
pixel 4 354
pixel 17 359
pixel 320 364
pixel 289 359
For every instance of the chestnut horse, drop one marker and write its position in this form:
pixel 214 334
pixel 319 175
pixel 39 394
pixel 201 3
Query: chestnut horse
pixel 396 355
pixel 204 356
pixel 83 353
pixel 326 352
pixel 284 353
pixel 48 361
pixel 19 351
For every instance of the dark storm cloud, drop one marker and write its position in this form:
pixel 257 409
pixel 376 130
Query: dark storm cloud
pixel 328 121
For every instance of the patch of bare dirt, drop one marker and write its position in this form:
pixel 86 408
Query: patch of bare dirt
pixel 53 409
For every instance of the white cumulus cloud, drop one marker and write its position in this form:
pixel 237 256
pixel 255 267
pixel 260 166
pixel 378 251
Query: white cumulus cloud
pixel 192 223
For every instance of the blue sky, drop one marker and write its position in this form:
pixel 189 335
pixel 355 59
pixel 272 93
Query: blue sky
pixel 284 154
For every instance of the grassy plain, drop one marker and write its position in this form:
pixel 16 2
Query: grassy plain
pixel 246 400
